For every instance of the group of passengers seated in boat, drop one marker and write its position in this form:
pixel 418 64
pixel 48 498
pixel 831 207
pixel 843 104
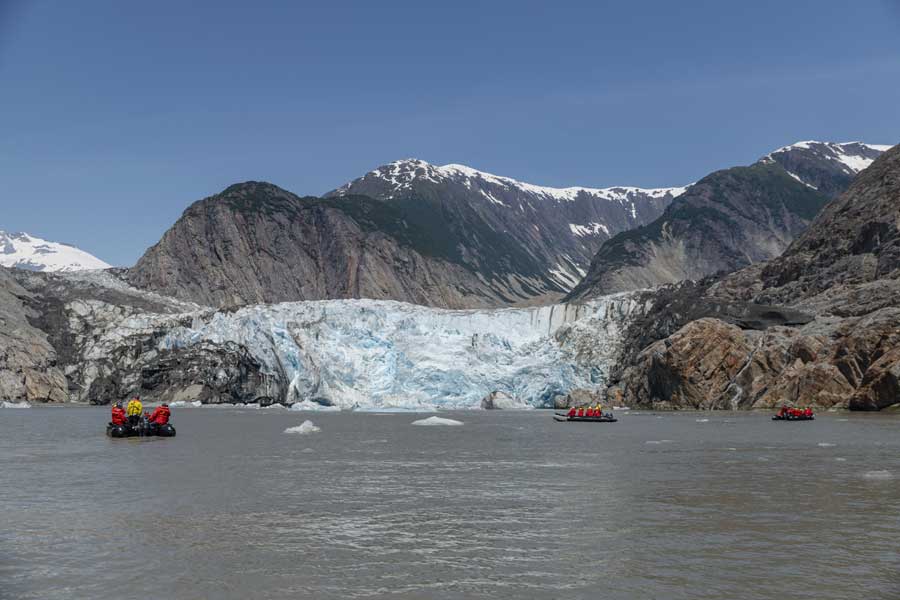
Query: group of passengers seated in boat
pixel 132 415
pixel 586 411
pixel 786 412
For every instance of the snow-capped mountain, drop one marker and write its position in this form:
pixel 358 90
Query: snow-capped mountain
pixel 399 179
pixel 24 251
pixel 559 229
pixel 825 166
pixel 730 219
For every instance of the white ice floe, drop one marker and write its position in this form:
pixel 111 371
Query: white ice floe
pixel 825 445
pixel 437 421
pixel 881 475
pixel 701 420
pixel 14 405
pixel 185 404
pixel 304 428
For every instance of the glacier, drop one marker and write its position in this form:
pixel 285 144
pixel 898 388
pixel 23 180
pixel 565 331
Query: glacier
pixel 363 354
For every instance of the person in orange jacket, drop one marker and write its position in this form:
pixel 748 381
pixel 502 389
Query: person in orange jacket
pixel 118 414
pixel 160 415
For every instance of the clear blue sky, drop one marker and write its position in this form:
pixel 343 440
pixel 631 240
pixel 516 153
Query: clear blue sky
pixel 115 116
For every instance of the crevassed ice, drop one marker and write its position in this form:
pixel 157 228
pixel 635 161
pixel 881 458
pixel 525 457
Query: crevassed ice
pixel 368 353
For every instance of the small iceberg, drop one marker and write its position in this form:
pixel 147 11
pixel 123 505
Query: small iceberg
pixel 436 421
pixel 275 406
pixel 825 445
pixel 184 403
pixel 304 428
pixel 882 475
pixel 14 405
pixel 313 406
pixel 701 420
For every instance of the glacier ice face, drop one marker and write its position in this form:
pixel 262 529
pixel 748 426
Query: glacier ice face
pixel 368 353
pixel 346 354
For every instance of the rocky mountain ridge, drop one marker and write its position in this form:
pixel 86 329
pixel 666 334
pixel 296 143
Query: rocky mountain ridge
pixel 729 219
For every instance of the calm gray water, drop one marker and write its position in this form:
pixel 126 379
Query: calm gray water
pixel 509 505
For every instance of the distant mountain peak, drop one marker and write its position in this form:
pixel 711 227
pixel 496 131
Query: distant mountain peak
pixel 400 175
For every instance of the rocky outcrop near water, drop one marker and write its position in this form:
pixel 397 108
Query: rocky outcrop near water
pixel 29 369
pixel 729 219
pixel 826 326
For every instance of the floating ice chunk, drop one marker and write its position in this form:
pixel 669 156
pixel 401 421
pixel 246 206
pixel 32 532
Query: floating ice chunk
pixel 825 445
pixel 655 442
pixel 253 406
pixel 184 403
pixel 275 407
pixel 840 459
pixel 702 420
pixel 314 406
pixel 878 475
pixel 303 428
pixel 436 421
pixel 14 405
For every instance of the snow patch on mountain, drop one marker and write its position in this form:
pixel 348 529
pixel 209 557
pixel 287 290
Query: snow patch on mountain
pixel 588 229
pixel 852 157
pixel 24 251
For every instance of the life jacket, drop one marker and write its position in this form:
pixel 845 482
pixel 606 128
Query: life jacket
pixel 573 412
pixel 135 408
pixel 118 416
pixel 580 412
pixel 160 415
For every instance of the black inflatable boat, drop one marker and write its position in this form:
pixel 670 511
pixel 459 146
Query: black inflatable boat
pixel 563 418
pixel 793 418
pixel 141 430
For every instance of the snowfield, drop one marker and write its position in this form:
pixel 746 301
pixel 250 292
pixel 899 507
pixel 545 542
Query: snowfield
pixel 24 251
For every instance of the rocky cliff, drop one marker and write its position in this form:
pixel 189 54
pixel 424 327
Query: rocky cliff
pixel 256 243
pixel 28 362
pixel 819 325
pixel 729 219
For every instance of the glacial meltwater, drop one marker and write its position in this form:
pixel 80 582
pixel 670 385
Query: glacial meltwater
pixel 506 505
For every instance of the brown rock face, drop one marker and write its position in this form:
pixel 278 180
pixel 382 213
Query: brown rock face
pixel 844 271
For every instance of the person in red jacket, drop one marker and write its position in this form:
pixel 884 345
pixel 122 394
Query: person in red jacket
pixel 160 415
pixel 118 414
